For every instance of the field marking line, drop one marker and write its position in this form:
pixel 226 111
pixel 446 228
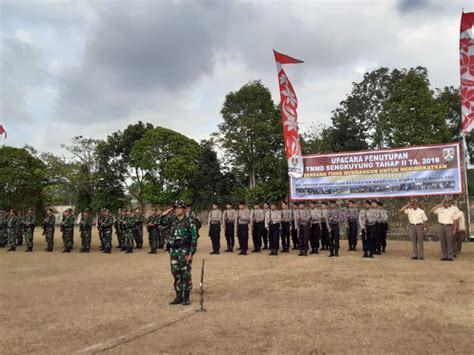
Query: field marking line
pixel 135 334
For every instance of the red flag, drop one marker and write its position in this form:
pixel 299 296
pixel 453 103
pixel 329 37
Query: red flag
pixel 289 115
pixel 2 131
pixel 466 48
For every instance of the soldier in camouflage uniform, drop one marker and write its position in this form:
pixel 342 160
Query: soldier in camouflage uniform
pixel 3 229
pixel 99 229
pixel 153 231
pixel 67 226
pixel 106 226
pixel 165 230
pixel 137 223
pixel 48 229
pixel 20 228
pixel 12 230
pixel 85 228
pixel 30 224
pixel 118 229
pixel 183 245
pixel 127 227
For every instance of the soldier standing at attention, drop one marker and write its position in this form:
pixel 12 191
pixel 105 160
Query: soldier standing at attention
pixel 417 219
pixel 363 227
pixel 183 246
pixel 29 223
pixel 286 221
pixel 48 229
pixel 294 230
pixel 214 222
pixel 447 220
pixel 316 216
pixel 138 228
pixel 324 227
pixel 127 227
pixel 85 227
pixel 152 224
pixel 12 230
pixel 461 231
pixel 266 209
pixel 244 217
pixel 67 226
pixel 335 217
pixel 272 223
pixel 99 229
pixel 383 225
pixel 20 228
pixel 372 216
pixel 106 226
pixel 3 229
pixel 258 226
pixel 303 222
pixel 118 231
pixel 352 219
pixel 229 219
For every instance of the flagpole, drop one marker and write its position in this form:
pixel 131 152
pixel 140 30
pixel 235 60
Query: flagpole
pixel 466 185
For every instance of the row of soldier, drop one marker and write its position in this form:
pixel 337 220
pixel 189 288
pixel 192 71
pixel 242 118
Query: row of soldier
pixel 308 228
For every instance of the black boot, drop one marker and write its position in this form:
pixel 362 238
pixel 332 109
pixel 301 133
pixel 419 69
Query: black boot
pixel 383 249
pixel 186 301
pixel 366 255
pixel 49 249
pixel 12 249
pixel 82 250
pixel 152 251
pixel 272 252
pixel 336 252
pixel 331 252
pixel 107 250
pixel 178 299
pixel 301 253
pixel 29 249
pixel 129 250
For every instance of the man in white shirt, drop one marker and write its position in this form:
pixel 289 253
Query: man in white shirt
pixel 461 231
pixel 417 219
pixel 447 220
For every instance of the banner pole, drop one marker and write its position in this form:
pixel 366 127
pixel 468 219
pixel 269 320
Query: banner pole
pixel 466 185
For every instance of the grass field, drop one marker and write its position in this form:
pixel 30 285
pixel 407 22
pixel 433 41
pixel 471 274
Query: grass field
pixel 118 303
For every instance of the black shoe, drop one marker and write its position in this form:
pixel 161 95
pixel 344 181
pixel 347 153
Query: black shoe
pixel 450 259
pixel 265 247
pixel 272 253
pixel 301 253
pixel 29 249
pixel 186 301
pixel 336 252
pixel 414 258
pixel 238 249
pixel 383 250
pixel 242 252
pixel 213 252
pixel 178 299
pixel 49 249
pixel 294 247
pixel 444 259
pixel 66 250
pixel 129 250
pixel 366 255
pixel 123 249
pixel 118 247
pixel 153 251
pixel 313 251
pixel 371 255
pixel 227 250
pixel 422 258
pixel 12 249
pixel 255 250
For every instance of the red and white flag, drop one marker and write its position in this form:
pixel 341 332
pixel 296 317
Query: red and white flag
pixel 466 47
pixel 2 131
pixel 289 115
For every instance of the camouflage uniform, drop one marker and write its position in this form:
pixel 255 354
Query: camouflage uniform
pixel 12 232
pixel 183 242
pixel 153 232
pixel 137 230
pixel 119 230
pixel 20 229
pixel 29 223
pixel 106 227
pixel 127 227
pixel 101 232
pixel 48 231
pixel 3 230
pixel 68 233
pixel 86 233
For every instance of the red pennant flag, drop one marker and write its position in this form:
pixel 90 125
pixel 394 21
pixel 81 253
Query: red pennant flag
pixel 2 131
pixel 466 49
pixel 289 115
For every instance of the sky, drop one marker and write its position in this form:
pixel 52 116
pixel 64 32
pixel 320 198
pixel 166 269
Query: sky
pixel 89 68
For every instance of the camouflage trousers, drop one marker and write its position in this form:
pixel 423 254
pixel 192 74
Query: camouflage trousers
pixel 3 236
pixel 101 237
pixel 50 238
pixel 68 237
pixel 181 270
pixel 19 236
pixel 128 238
pixel 11 237
pixel 29 237
pixel 107 237
pixel 120 237
pixel 138 236
pixel 153 239
pixel 86 238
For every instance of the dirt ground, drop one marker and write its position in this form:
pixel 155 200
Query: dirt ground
pixel 118 303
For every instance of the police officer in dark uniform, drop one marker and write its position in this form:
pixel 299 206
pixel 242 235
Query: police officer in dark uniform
pixel 352 219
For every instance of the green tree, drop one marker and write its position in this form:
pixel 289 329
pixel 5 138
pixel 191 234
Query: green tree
pixel 319 139
pixel 412 115
pixel 22 180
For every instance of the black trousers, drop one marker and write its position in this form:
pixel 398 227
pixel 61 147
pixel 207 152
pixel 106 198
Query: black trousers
pixel 378 235
pixel 243 236
pixel 352 234
pixel 294 236
pixel 363 236
pixel 334 237
pixel 383 235
pixel 257 231
pixel 264 237
pixel 229 235
pixel 215 234
pixel 304 233
pixel 274 235
pixel 324 235
pixel 371 243
pixel 315 235
pixel 285 235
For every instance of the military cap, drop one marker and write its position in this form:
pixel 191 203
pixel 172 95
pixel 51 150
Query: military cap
pixel 380 203
pixel 242 203
pixel 351 201
pixel 333 201
pixel 368 202
pixel 180 204
pixel 301 203
pixel 324 203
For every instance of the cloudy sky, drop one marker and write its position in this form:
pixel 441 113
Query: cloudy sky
pixel 92 67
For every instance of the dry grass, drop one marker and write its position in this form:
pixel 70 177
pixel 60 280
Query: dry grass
pixel 63 303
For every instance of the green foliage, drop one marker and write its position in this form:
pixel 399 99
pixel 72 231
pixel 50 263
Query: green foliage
pixel 22 179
